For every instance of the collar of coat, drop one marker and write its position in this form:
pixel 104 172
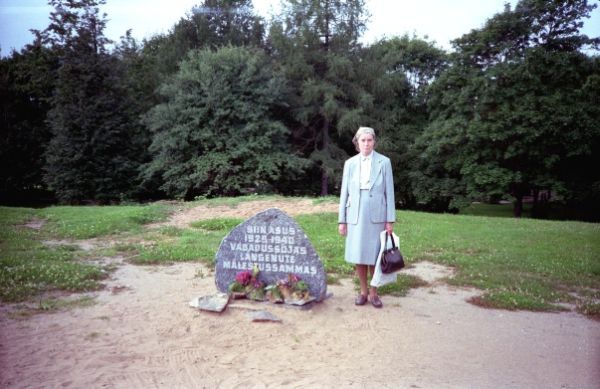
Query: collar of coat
pixel 376 165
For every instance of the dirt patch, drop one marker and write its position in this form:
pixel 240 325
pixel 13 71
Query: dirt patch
pixel 145 335
pixel 429 272
pixel 183 218
pixel 82 244
pixel 142 333
pixel 35 224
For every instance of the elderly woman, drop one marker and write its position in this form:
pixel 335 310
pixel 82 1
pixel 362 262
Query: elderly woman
pixel 366 209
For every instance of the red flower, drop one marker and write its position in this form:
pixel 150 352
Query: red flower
pixel 244 277
pixel 294 278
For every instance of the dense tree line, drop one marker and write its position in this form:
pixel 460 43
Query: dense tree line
pixel 228 103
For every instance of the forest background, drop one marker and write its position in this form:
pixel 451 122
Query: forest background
pixel 227 103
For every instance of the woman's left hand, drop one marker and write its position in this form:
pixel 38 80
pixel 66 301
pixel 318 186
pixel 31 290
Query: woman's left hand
pixel 389 227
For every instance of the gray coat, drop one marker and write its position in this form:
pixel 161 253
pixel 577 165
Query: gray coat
pixel 381 191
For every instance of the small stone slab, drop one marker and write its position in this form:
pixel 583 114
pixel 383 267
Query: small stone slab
pixel 247 307
pixel 213 303
pixel 260 316
pixel 300 302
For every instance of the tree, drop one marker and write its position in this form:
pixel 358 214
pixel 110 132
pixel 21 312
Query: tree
pixel 138 81
pixel 316 42
pixel 215 133
pixel 26 84
pixel 506 112
pixel 92 154
pixel 397 72
pixel 212 24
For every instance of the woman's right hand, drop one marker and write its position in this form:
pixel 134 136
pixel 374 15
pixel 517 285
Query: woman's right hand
pixel 343 229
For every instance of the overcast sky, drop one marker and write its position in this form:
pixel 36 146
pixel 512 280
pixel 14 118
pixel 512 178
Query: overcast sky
pixel 440 20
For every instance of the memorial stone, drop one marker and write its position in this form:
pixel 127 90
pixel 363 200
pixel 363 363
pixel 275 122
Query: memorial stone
pixel 276 244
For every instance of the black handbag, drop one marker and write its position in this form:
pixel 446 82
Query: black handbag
pixel 391 259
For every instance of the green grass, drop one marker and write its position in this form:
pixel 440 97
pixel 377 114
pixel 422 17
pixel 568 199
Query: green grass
pixel 222 224
pixel 322 231
pixel 539 261
pixel 546 211
pixel 496 210
pixel 92 221
pixel 326 199
pixel 183 245
pixel 191 245
pixel 517 263
pixel 28 267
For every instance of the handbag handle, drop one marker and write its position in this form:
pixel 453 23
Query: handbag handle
pixel 390 237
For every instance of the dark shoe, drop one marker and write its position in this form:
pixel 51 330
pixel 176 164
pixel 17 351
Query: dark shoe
pixel 360 300
pixel 376 302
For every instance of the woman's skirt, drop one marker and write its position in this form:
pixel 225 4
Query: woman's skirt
pixel 362 240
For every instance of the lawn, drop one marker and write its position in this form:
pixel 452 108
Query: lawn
pixel 517 263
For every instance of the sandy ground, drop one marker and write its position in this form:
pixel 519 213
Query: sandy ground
pixel 141 333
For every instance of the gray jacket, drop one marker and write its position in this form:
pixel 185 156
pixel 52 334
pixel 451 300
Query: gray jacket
pixel 381 191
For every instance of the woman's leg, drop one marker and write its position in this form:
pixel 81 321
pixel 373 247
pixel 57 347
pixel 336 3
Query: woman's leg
pixel 373 291
pixel 361 272
pixel 371 271
pixel 373 297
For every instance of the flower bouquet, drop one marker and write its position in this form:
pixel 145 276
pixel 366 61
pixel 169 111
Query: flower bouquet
pixel 273 294
pixel 291 290
pixel 248 285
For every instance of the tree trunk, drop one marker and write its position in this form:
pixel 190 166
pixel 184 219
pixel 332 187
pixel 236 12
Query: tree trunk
pixel 518 206
pixel 325 146
pixel 324 183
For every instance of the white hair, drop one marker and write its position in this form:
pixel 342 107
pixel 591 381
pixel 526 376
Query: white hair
pixel 363 131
